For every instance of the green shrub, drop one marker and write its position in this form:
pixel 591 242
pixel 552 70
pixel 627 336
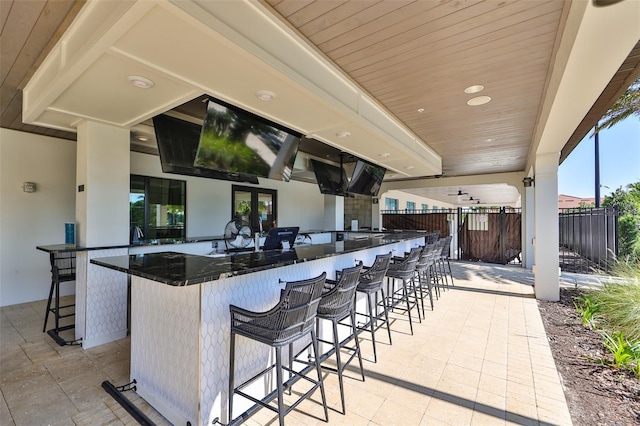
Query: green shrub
pixel 619 301
pixel 625 354
pixel 587 309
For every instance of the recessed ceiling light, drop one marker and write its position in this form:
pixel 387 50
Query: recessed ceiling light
pixel 421 110
pixel 384 155
pixel 265 95
pixel 489 140
pixel 141 82
pixel 408 167
pixel 343 134
pixel 143 138
pixel 474 89
pixel 479 100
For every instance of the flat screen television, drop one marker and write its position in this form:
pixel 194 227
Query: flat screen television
pixel 276 236
pixel 237 141
pixel 366 179
pixel 331 179
pixel 178 143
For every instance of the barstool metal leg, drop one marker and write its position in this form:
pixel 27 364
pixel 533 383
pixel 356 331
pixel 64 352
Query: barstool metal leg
pixel 386 316
pixel 316 354
pixel 372 325
pixel 232 357
pixel 336 344
pixel 355 337
pixel 279 385
pixel 46 314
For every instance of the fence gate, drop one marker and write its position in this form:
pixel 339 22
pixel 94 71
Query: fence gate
pixel 487 235
pixel 492 236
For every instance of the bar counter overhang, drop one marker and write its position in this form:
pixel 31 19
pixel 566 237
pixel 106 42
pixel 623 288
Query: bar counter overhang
pixel 180 324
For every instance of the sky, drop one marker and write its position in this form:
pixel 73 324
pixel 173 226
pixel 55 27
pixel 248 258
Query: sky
pixel 619 161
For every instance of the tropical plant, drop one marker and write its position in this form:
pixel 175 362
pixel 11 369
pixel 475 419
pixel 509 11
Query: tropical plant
pixel 627 105
pixel 587 309
pixel 619 300
pixel 625 354
pixel 628 205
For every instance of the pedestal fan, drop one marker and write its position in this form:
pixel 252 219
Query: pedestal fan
pixel 237 235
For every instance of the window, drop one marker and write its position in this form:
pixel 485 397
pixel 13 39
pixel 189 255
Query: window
pixel 411 205
pixel 435 207
pixel 264 216
pixel 425 207
pixel 390 204
pixel 156 208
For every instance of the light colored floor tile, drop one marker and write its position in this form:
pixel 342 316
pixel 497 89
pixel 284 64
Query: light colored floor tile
pixel 477 358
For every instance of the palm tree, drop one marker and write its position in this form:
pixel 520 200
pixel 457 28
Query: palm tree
pixel 627 105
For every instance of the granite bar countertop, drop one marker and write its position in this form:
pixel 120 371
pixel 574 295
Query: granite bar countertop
pixel 61 248
pixel 67 248
pixel 179 269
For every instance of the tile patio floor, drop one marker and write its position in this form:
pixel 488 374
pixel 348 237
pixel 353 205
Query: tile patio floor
pixel 481 357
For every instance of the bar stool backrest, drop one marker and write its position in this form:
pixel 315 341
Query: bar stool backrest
pixel 63 266
pixel 446 242
pixel 338 301
pixel 292 317
pixel 407 266
pixel 425 258
pixel 371 279
pixel 432 237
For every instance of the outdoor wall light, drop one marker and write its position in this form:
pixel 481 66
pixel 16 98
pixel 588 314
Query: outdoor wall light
pixel 528 182
pixel 29 187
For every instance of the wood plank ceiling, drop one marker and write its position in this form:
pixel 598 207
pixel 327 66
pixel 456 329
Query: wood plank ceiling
pixel 29 30
pixel 415 57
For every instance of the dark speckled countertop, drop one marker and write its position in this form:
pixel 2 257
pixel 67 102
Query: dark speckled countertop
pixel 180 269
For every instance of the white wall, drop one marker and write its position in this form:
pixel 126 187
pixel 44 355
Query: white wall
pixel 209 201
pixel 31 219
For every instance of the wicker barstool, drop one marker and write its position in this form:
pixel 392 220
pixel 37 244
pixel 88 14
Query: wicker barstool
pixel 63 269
pixel 404 270
pixel 371 283
pixel 338 304
pixel 292 318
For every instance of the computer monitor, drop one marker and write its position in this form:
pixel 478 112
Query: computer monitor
pixel 276 236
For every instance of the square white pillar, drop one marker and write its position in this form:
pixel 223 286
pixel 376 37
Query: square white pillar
pixel 102 179
pixel 546 269
pixel 333 213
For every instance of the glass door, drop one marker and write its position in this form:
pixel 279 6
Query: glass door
pixel 256 206
pixel 242 206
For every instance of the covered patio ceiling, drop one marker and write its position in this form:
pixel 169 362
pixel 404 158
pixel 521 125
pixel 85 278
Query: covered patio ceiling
pixel 395 75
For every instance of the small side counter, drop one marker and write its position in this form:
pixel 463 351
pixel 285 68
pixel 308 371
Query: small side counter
pixel 180 322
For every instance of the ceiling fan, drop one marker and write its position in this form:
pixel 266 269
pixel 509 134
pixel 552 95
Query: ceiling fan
pixel 459 194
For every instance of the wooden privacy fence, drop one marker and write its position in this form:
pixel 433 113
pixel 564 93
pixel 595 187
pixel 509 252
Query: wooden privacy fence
pixel 487 235
pixel 491 236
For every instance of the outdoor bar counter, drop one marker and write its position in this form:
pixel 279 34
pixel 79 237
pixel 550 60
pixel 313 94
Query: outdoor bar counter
pixel 180 323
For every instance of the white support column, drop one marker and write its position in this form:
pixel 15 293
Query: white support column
pixel 333 213
pixel 376 217
pixel 102 175
pixel 102 218
pixel 528 227
pixel 546 270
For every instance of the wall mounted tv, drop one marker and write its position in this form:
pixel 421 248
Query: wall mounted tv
pixel 366 179
pixel 237 141
pixel 178 143
pixel 331 179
